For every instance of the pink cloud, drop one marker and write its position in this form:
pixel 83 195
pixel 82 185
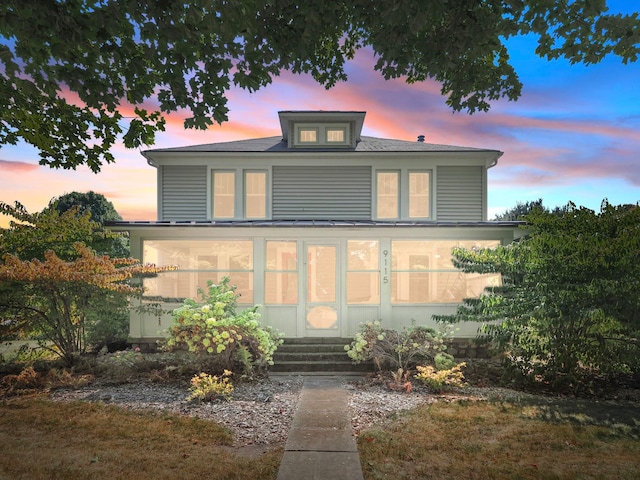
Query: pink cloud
pixel 13 166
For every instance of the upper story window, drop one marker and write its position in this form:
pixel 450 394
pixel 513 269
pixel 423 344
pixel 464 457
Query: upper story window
pixel 224 194
pixel 336 135
pixel 387 194
pixel 419 183
pixel 333 135
pixel 238 194
pixel 308 135
pixel 255 194
pixel 403 194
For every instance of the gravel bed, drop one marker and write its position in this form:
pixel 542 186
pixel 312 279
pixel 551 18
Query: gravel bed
pixel 260 414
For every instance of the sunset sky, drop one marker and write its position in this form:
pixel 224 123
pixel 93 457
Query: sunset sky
pixel 574 135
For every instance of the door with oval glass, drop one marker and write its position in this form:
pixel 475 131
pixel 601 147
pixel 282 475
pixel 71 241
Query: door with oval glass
pixel 322 315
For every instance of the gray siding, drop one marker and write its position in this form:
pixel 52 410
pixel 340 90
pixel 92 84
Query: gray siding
pixel 329 193
pixel 183 192
pixel 459 195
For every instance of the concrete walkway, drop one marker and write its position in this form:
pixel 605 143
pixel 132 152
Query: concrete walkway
pixel 321 444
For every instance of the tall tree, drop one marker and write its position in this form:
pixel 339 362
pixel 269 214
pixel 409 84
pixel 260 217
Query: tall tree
pixel 101 210
pixel 71 71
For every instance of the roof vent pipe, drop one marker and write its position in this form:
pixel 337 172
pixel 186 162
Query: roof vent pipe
pixel 421 138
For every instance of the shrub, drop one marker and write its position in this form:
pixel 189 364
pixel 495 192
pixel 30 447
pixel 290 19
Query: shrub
pixel 207 388
pixel 567 315
pixel 213 328
pixel 393 350
pixel 439 380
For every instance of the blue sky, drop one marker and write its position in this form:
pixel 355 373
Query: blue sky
pixel 574 135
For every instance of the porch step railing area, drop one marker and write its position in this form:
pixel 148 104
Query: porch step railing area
pixel 316 356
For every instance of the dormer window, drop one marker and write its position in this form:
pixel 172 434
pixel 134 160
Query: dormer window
pixel 336 135
pixel 308 135
pixel 322 135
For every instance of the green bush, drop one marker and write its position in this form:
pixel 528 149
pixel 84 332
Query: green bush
pixel 393 350
pixel 212 327
pixel 567 316
pixel 108 322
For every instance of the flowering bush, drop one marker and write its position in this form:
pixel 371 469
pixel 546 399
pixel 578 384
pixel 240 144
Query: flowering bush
pixel 206 388
pixel 438 380
pixel 213 327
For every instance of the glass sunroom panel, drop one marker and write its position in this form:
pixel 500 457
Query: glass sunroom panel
pixel 255 194
pixel 281 276
pixel 362 255
pixel 410 287
pixel 423 272
pixel 321 273
pixel 419 195
pixel 363 274
pixel 439 287
pixel 387 194
pixel 198 261
pixel 363 288
pixel 281 288
pixel 224 194
pixel 441 250
pixel 411 254
pixel 282 255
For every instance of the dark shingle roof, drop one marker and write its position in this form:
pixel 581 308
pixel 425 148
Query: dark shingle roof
pixel 276 144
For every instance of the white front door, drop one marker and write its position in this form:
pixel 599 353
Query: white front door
pixel 322 312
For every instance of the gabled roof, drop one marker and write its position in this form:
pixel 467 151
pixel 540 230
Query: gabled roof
pixel 278 144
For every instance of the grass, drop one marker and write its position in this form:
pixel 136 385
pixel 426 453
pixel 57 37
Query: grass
pixel 46 440
pixel 482 440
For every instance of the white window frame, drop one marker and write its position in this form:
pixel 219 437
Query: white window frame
pixel 376 198
pixel 345 136
pixel 239 190
pixel 403 193
pixel 213 192
pixel 322 130
pixel 408 194
pixel 244 192
pixel 307 128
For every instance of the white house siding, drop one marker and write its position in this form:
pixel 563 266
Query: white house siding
pixel 459 193
pixel 291 318
pixel 182 192
pixel 321 192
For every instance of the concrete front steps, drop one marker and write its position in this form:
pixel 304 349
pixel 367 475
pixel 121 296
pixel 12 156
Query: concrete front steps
pixel 316 356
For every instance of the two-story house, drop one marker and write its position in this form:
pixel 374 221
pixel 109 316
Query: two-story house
pixel 323 227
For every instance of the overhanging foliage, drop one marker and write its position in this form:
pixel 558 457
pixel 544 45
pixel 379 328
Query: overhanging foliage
pixel 77 74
